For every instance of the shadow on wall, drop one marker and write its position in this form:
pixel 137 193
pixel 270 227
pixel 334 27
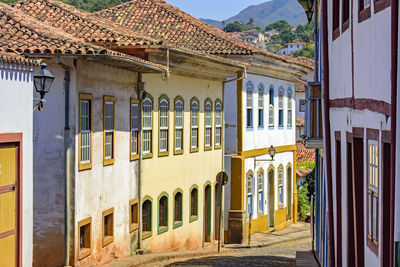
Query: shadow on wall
pixel 253 261
pixel 15 75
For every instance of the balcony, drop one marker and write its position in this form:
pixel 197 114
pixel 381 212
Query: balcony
pixel 313 122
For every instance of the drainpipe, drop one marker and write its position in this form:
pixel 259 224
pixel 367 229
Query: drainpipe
pixel 140 90
pixel 327 133
pixel 394 240
pixel 244 76
pixel 67 153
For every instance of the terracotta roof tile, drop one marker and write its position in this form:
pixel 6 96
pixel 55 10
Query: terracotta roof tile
pixel 22 34
pixel 304 154
pixel 299 85
pixel 303 171
pixel 81 24
pixel 163 21
pixel 8 57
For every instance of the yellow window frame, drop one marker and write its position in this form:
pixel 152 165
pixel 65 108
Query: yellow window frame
pixel 85 166
pixel 110 161
pixel 134 156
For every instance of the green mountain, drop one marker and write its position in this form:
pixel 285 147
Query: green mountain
pixel 268 12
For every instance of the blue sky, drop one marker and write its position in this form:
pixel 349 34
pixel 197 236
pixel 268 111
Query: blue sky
pixel 214 9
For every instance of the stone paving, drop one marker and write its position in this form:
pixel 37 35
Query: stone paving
pixel 277 248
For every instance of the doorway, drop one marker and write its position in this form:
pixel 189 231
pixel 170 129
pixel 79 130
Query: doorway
pixel 217 204
pixel 289 194
pixel 271 199
pixel 207 213
pixel 9 205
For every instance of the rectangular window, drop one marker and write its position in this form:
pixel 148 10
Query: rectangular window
pixel 261 106
pixel 218 124
pixel 85 131
pixel 261 192
pixel 271 108
pixel 280 105
pixel 85 244
pixel 109 131
pixel 147 119
pixel 289 109
pixel 373 191
pixel 178 126
pixel 133 215
pixel 208 125
pixel 249 105
pixel 134 129
pixel 194 140
pixel 108 226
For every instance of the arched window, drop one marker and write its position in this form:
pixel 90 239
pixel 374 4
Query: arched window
pixel 249 194
pixel 218 123
pixel 163 213
pixel 146 217
pixel 134 128
pixel 280 185
pixel 177 209
pixel 208 124
pixel 280 106
pixel 164 123
pixel 194 140
pixel 147 125
pixel 194 194
pixel 260 191
pixel 271 107
pixel 178 124
pixel 261 106
pixel 249 104
pixel 289 108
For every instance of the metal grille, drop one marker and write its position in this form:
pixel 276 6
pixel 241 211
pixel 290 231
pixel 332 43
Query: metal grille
pixel 85 131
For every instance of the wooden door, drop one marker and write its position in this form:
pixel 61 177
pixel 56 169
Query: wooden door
pixel 207 214
pixel 8 205
pixel 217 204
pixel 289 194
pixel 271 199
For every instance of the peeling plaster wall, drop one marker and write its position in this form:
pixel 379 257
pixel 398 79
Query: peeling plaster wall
pixel 105 187
pixel 180 171
pixel 16 93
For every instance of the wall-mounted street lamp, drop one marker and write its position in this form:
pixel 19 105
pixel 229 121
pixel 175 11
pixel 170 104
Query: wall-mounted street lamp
pixel 308 6
pixel 42 80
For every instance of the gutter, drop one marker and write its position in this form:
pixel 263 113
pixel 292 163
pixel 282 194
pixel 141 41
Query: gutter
pixel 394 241
pixel 244 76
pixel 327 133
pixel 67 153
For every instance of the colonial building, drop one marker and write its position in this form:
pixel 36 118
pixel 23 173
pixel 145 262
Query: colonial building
pixel 182 125
pixel 358 93
pixel 271 73
pixel 16 102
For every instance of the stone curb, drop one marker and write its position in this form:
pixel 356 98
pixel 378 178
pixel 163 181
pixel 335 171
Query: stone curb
pixel 175 256
pixel 270 244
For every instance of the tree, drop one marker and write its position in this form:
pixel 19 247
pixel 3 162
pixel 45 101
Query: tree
pixel 251 22
pixel 234 27
pixel 288 36
pixel 307 51
pixel 279 25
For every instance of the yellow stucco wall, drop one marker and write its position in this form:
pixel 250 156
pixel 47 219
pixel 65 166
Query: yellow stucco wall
pixel 280 218
pixel 259 225
pixel 166 174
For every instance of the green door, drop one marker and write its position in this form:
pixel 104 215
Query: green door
pixel 207 214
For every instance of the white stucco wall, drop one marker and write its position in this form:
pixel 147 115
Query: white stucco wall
pixel 16 102
pixel 231 137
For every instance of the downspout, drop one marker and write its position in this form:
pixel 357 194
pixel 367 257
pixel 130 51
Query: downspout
pixel 394 241
pixel 140 168
pixel 67 153
pixel 244 76
pixel 221 230
pixel 327 133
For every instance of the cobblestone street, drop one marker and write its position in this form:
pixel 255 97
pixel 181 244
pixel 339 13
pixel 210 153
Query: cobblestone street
pixel 279 255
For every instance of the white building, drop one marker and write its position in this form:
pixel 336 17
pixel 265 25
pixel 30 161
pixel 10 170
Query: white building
pixel 16 181
pixel 290 48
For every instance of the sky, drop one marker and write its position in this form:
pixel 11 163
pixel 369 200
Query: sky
pixel 214 9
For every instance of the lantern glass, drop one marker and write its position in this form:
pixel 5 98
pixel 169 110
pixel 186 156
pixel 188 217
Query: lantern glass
pixel 309 14
pixel 43 79
pixel 272 152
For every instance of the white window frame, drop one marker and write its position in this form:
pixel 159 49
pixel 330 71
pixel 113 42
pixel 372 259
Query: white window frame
pixel 194 127
pixel 208 126
pixel 178 128
pixel 134 129
pixel 249 106
pixel 147 130
pixel 290 108
pixel 163 130
pixel 260 106
pixel 218 123
pixel 373 195
pixel 271 107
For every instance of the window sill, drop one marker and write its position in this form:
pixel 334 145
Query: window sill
pixel 249 127
pixel 372 245
pixel 194 150
pixel 107 240
pixel 381 5
pixel 147 234
pixel 163 154
pixel 289 127
pixel 147 156
pixel 280 206
pixel 207 148
pixel 281 127
pixel 134 157
pixel 193 218
pixel 260 126
pixel 271 127
pixel 84 252
pixel 133 227
pixel 345 25
pixel 335 34
pixel 107 162
pixel 217 146
pixel 364 14
pixel 84 167
pixel 178 224
pixel 178 152
pixel 162 229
